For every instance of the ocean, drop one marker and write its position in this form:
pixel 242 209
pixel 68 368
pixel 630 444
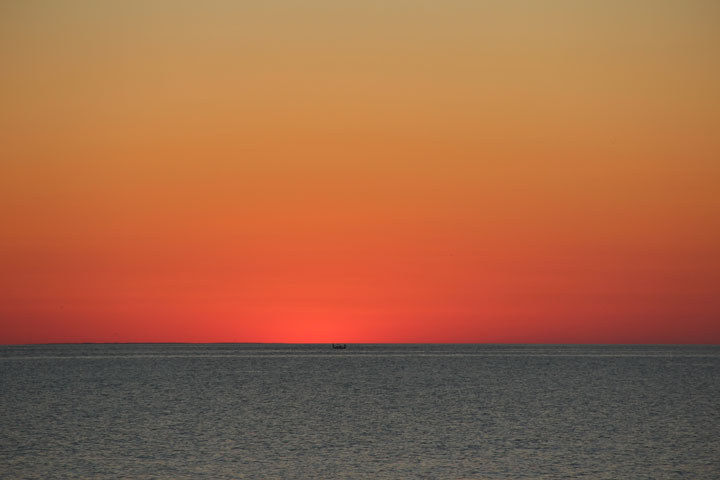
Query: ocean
pixel 261 411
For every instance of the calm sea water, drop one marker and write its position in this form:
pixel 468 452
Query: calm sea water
pixel 370 411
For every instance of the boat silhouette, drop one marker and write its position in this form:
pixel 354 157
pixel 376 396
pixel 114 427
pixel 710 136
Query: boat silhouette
pixel 339 346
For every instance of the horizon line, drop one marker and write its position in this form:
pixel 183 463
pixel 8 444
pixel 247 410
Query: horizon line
pixel 359 343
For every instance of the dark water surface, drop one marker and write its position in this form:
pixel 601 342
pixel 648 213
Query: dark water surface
pixel 370 412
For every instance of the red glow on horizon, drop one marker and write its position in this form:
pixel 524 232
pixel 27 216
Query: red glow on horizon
pixel 357 172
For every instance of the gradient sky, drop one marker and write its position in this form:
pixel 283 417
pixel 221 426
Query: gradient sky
pixel 360 171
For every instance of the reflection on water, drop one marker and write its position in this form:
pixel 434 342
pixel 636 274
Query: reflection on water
pixel 369 411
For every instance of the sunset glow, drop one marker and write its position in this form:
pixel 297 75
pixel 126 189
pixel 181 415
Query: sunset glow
pixel 320 171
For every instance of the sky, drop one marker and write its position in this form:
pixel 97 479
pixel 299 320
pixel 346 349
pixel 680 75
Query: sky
pixel 360 171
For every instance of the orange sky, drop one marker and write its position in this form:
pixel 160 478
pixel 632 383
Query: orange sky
pixel 395 171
